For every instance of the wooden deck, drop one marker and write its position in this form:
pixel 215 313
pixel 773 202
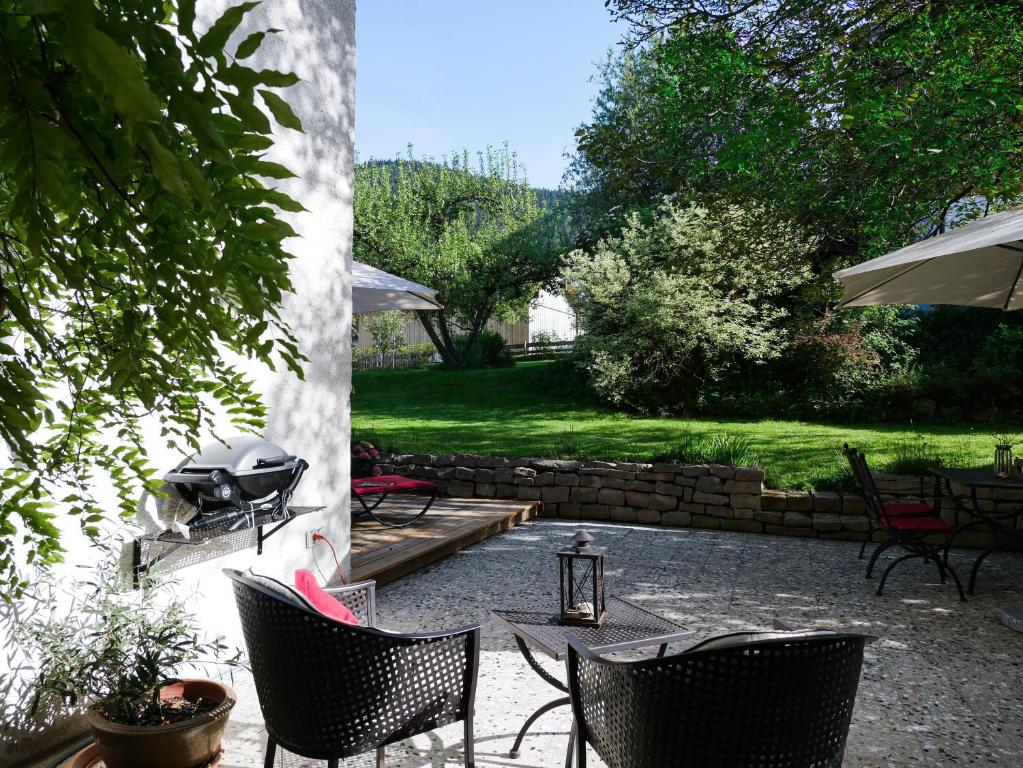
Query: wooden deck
pixel 386 554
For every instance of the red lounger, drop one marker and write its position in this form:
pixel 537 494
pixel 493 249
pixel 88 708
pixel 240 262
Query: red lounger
pixel 383 486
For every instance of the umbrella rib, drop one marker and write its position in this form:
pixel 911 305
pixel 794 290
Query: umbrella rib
pixel 1012 288
pixel 883 283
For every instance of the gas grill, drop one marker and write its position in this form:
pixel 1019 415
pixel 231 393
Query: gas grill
pixel 233 484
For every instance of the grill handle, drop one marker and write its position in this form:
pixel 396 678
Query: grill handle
pixel 275 461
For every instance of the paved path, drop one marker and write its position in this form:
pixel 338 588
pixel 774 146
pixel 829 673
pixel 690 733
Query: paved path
pixel 944 686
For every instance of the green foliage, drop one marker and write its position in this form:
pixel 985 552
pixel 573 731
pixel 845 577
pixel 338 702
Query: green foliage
pixel 387 328
pixel 679 302
pixel 487 350
pixel 692 448
pixel 867 122
pixel 473 230
pixel 112 647
pixel 536 407
pixel 138 239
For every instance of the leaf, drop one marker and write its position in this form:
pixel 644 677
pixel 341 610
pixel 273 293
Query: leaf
pixel 244 77
pixel 165 165
pixel 216 37
pixel 186 17
pixel 251 43
pixel 281 110
pixel 244 109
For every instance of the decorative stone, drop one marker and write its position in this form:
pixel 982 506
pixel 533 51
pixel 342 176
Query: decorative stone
pixel 744 514
pixel 854 505
pixel 670 469
pixel 527 493
pixel 589 481
pixel 855 523
pixel 423 458
pixel 677 519
pixel 555 494
pixel 724 471
pixel 612 482
pixel 444 460
pixel 662 503
pixel 827 521
pixel 798 520
pixel 773 500
pixel 403 459
pixel 826 501
pixel 461 489
pixel 706 521
pixel 637 498
pixel 719 511
pixel 710 484
pixel 623 514
pixel 566 478
pixel 465 473
pixel 486 490
pixel 648 516
pixel 595 511
pixel 525 481
pixel 584 495
pixel 716 499
pixel 639 485
pixel 523 472
pixel 553 465
pixel 466 460
pixel 748 500
pixel 798 502
pixel 770 517
pixel 652 477
pixel 689 482
pixel 506 475
pixel 569 510
pixel 491 461
pixel 670 489
pixel 483 476
pixel 693 470
pixel 611 497
pixel 784 530
pixel 746 526
pixel 693 509
pixel 544 479
pixel 749 474
pixel 740 486
pixel 507 491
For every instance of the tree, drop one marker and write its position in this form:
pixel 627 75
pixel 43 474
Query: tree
pixel 138 241
pixel 474 232
pixel 681 300
pixel 871 123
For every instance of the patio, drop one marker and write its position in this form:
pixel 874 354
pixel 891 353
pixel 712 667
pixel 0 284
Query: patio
pixel 944 685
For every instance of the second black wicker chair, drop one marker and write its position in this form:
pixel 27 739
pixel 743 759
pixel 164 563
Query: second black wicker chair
pixel 783 700
pixel 329 690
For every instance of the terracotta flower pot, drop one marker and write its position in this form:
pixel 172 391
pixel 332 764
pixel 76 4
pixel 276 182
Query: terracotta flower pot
pixel 188 744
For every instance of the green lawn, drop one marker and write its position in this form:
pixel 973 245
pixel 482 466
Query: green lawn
pixel 532 410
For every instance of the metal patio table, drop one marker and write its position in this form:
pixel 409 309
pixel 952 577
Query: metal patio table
pixel 628 628
pixel 1004 523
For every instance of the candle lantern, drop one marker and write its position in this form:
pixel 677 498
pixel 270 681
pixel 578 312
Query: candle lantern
pixel 1003 461
pixel 581 567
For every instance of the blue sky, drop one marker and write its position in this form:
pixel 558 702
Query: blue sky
pixel 461 74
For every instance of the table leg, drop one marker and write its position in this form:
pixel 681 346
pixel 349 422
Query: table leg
pixel 662 650
pixel 571 745
pixel 549 678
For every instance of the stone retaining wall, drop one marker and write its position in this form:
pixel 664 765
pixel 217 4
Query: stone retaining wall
pixel 701 495
pixel 698 495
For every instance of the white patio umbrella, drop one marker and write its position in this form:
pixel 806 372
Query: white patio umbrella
pixel 979 265
pixel 374 290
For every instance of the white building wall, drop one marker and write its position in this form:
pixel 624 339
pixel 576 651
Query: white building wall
pixel 551 313
pixel 309 417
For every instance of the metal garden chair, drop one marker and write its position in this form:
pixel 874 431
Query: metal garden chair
pixel 783 700
pixel 907 526
pixel 329 690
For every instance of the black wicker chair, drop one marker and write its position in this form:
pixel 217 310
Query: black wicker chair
pixel 330 690
pixel 782 700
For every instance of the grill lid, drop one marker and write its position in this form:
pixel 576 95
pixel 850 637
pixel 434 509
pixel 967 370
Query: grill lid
pixel 247 455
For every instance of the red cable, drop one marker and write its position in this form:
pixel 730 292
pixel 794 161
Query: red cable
pixel 317 536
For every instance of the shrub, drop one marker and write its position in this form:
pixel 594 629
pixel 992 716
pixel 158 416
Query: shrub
pixel 688 448
pixel 683 299
pixel 489 350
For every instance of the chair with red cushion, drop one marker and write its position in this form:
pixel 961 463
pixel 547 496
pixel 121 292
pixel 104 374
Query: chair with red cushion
pixel 385 485
pixel 907 525
pixel 329 690
pixel 892 508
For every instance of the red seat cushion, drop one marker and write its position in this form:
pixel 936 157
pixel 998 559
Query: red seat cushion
pixel 388 484
pixel 918 525
pixel 908 510
pixel 321 599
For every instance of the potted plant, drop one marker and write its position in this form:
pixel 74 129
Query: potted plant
pixel 116 651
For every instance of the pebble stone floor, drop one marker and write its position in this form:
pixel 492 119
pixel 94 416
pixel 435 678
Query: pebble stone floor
pixel 942 686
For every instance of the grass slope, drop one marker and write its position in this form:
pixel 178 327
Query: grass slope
pixel 534 410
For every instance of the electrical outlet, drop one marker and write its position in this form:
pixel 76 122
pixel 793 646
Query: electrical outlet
pixel 309 543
